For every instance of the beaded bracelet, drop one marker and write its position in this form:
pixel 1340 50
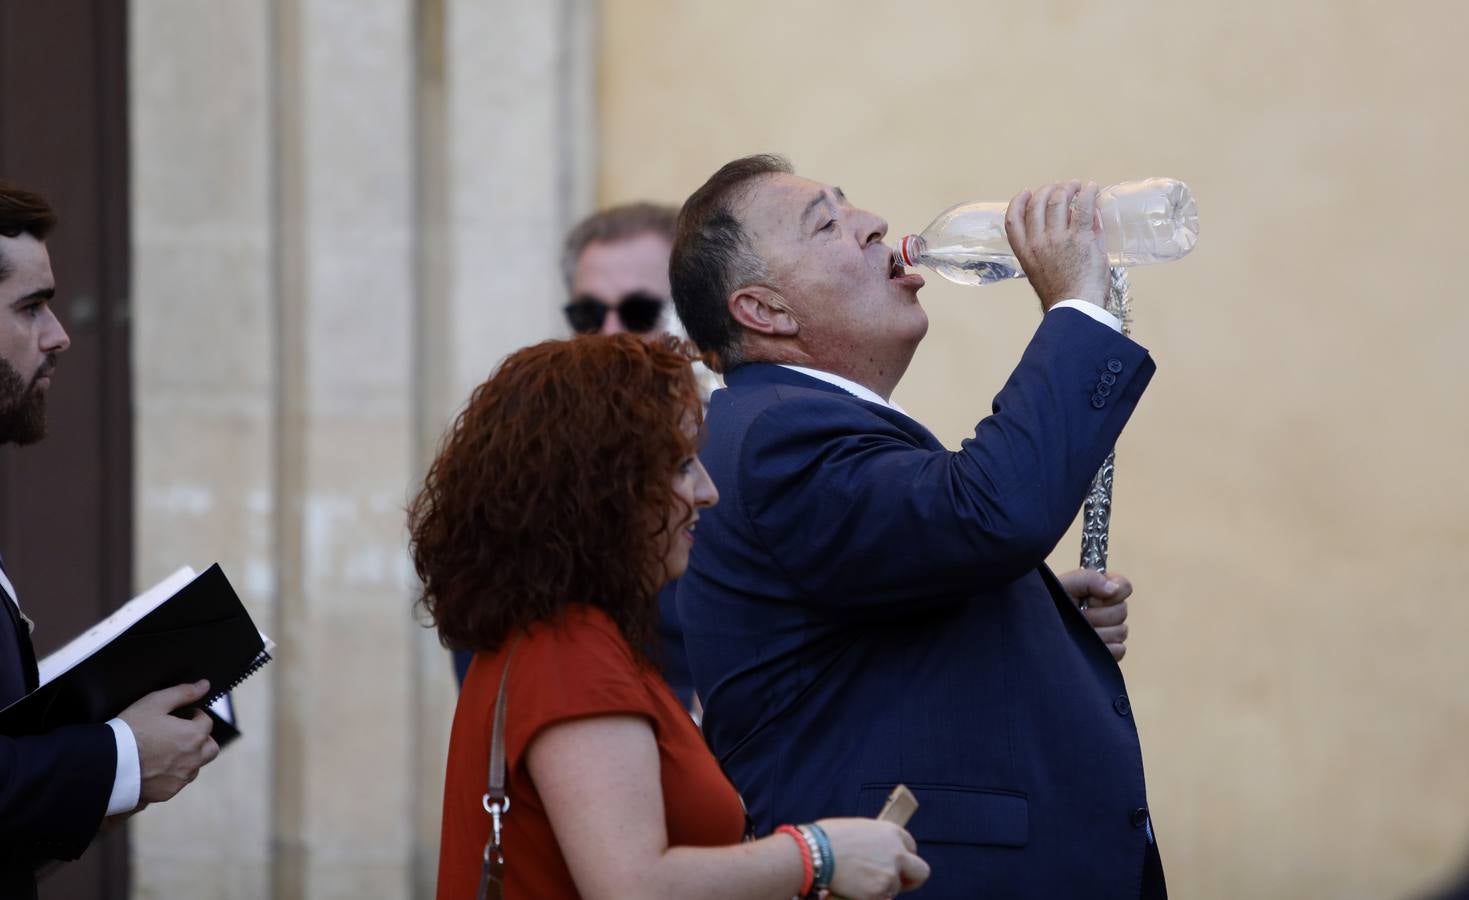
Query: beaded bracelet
pixel 808 860
pixel 823 860
pixel 817 863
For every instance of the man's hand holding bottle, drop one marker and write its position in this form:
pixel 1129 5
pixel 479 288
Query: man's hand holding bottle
pixel 1057 237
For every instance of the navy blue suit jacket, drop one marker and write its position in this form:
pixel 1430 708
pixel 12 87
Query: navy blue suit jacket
pixel 54 787
pixel 865 607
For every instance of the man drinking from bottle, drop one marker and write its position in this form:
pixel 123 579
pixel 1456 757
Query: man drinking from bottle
pixel 867 607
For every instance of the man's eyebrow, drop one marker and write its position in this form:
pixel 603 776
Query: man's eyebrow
pixel 819 199
pixel 815 202
pixel 42 294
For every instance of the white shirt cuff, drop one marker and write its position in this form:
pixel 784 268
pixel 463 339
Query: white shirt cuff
pixel 1093 310
pixel 128 783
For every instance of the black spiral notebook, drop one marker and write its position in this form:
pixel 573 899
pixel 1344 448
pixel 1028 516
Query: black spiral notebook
pixel 185 628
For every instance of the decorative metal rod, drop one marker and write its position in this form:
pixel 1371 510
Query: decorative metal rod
pixel 1096 521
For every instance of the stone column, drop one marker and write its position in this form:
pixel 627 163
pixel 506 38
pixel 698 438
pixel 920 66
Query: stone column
pixel 344 317
pixel 345 214
pixel 205 384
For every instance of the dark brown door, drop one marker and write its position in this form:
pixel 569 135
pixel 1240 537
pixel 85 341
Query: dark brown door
pixel 66 503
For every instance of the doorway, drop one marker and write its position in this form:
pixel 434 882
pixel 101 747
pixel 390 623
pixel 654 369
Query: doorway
pixel 66 503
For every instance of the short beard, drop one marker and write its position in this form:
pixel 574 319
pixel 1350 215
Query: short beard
pixel 22 409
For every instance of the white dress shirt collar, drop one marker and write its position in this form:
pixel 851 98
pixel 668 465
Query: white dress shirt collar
pixel 9 589
pixel 851 387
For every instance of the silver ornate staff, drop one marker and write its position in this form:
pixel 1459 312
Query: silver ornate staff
pixel 1096 520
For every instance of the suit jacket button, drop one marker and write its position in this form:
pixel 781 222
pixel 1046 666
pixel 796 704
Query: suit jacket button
pixel 1108 378
pixel 1098 401
pixel 1122 705
pixel 1104 389
pixel 1139 817
pixel 1114 366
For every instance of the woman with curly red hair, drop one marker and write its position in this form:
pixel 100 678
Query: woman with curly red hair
pixel 563 498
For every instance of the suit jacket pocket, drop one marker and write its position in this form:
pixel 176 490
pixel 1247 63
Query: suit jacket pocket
pixel 954 814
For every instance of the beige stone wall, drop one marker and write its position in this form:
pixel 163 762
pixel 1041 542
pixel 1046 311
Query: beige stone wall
pixel 205 432
pixel 345 213
pixel 1291 493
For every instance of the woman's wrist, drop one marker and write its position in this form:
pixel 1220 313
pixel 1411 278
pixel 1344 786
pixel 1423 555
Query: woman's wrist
pixel 808 860
pixel 818 864
pixel 823 862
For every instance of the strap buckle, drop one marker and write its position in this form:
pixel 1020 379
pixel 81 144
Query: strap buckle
pixel 496 807
pixel 490 885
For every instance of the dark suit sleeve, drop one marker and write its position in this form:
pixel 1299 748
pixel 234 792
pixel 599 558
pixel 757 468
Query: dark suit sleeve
pixel 54 790
pixel 864 514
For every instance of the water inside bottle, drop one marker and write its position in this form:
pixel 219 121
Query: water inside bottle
pixel 1148 221
pixel 974 270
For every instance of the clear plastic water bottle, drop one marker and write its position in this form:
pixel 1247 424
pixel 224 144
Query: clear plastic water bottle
pixel 1143 222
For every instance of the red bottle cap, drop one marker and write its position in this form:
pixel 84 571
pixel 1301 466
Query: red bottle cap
pixel 908 250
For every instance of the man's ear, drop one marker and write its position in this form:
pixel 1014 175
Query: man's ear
pixel 763 311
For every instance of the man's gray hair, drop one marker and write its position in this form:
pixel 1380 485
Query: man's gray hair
pixel 615 223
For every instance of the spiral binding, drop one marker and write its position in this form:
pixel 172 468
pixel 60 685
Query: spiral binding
pixel 255 665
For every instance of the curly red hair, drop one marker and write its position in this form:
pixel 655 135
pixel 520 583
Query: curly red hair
pixel 552 487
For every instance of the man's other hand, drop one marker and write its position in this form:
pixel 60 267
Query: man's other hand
pixel 1103 600
pixel 171 750
pixel 1056 234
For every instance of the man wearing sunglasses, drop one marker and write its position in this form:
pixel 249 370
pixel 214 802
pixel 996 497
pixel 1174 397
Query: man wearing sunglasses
pixel 615 267
pixel 615 263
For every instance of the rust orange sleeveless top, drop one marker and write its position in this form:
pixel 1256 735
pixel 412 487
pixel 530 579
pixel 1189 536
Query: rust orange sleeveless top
pixel 577 667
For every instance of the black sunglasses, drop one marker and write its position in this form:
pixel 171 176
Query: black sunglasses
pixel 638 312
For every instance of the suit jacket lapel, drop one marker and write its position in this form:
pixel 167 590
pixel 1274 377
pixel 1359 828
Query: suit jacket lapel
pixel 22 661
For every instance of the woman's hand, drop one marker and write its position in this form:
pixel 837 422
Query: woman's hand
pixel 874 860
